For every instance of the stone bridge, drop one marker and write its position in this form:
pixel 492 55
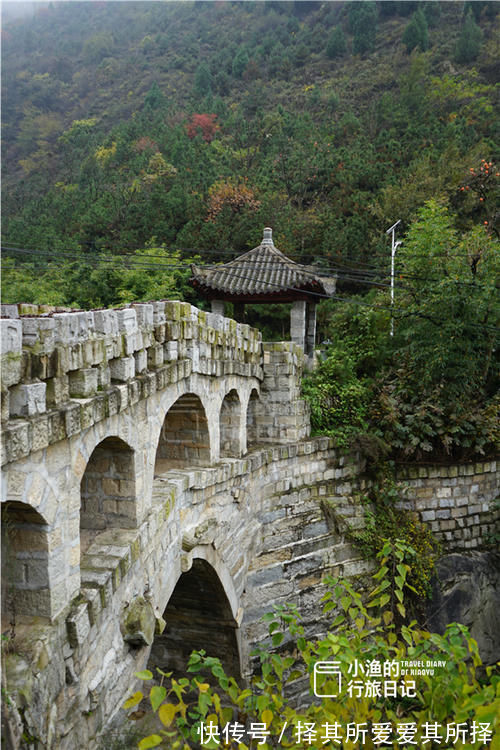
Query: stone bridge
pixel 160 493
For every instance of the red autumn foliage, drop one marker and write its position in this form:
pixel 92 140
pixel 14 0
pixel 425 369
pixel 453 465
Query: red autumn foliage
pixel 237 197
pixel 204 123
pixel 145 144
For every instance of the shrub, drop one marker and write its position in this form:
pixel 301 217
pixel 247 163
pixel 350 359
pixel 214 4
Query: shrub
pixel 362 633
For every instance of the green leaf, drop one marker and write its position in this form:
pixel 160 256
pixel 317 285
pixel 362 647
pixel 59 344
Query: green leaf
pixel 153 740
pixel 144 675
pixel 134 700
pixel 345 602
pixel 166 713
pixel 157 695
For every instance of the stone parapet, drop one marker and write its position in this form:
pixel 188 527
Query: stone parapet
pixel 64 370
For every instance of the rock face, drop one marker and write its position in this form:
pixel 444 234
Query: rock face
pixel 467 590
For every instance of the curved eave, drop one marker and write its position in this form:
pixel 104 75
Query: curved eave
pixel 306 292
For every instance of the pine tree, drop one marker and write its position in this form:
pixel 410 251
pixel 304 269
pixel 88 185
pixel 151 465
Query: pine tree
pixel 202 81
pixel 363 25
pixel 416 33
pixel 240 63
pixel 336 43
pixel 469 41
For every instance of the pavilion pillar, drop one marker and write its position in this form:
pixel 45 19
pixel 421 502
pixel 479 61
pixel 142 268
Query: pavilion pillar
pixel 239 312
pixel 298 323
pixel 218 306
pixel 311 327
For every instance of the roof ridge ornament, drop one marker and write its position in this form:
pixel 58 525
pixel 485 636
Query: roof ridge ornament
pixel 268 237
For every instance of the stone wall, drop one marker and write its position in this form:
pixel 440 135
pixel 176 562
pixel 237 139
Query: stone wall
pixel 456 501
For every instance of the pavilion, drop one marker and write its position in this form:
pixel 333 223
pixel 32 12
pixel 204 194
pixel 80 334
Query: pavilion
pixel 265 275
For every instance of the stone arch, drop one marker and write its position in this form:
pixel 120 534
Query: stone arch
pixel 253 408
pixel 107 488
pixel 184 437
pixel 25 562
pixel 230 425
pixel 200 614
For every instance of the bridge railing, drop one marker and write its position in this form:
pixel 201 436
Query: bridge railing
pixel 64 370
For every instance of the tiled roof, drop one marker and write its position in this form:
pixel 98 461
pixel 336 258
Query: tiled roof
pixel 260 272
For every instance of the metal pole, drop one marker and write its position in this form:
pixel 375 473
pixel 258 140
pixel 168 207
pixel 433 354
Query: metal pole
pixel 394 247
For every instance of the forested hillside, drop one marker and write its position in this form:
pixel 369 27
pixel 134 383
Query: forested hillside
pixel 140 135
pixel 193 125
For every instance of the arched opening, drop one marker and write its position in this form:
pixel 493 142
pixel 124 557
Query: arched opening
pixel 25 562
pixel 252 414
pixel 198 616
pixel 230 417
pixel 107 489
pixel 184 439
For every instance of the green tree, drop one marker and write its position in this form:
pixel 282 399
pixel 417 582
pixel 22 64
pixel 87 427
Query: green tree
pixel 363 25
pixel 336 45
pixel 416 33
pixel 97 47
pixel 240 63
pixel 441 395
pixel 202 81
pixel 155 98
pixel 469 41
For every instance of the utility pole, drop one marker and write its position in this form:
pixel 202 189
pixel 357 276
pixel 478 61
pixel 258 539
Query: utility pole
pixel 394 247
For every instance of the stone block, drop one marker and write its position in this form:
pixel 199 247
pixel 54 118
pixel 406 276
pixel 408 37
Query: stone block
pixel 158 312
pixel 138 623
pixel 141 361
pixel 442 513
pixel 127 320
pixel 155 356
pixel 70 328
pixel 8 311
pixel 83 383
pixel 122 369
pixel 11 336
pixel 76 357
pixel 429 515
pixel 106 322
pixel 129 343
pixel 72 419
pixel 443 492
pixel 5 405
pixel 40 332
pixel 40 433
pixel 57 390
pixel 57 428
pixel 103 377
pixel 26 308
pixel 11 368
pixel 145 314
pixel 78 625
pixel 28 399
pixel 172 310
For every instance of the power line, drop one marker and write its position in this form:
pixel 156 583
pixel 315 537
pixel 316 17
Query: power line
pixel 326 296
pixel 135 262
